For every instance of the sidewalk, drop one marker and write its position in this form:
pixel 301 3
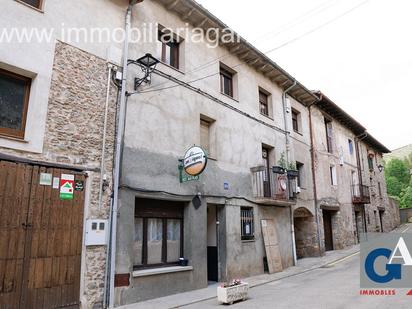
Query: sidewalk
pixel 188 298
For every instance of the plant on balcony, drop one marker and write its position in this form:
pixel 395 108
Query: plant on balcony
pixel 282 165
pixel 292 170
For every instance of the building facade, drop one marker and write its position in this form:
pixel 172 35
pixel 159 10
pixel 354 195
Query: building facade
pixel 350 186
pixel 236 108
pixel 289 174
pixel 57 129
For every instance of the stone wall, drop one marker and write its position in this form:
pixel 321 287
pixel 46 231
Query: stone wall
pixel 74 136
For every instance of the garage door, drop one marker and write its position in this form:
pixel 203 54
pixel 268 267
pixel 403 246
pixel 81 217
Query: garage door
pixel 40 238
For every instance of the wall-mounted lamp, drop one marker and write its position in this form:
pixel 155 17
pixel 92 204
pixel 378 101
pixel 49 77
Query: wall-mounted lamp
pixel 380 168
pixel 147 63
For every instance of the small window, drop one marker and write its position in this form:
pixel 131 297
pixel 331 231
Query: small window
pixel 205 135
pixel 169 49
pixel 329 135
pixel 380 189
pixel 370 162
pixel 295 120
pixel 333 176
pixel 34 3
pixel 158 233
pixel 350 143
pixel 226 82
pixel 247 223
pixel 300 168
pixel 14 100
pixel 264 103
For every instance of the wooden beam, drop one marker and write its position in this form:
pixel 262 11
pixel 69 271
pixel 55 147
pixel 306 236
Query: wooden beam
pixel 186 17
pixel 244 56
pixel 253 62
pixel 203 22
pixel 173 4
pixel 235 49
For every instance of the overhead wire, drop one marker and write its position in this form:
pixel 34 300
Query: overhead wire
pixel 267 52
pixel 299 20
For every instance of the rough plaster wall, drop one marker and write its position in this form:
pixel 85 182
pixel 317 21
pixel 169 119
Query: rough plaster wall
pixel 74 132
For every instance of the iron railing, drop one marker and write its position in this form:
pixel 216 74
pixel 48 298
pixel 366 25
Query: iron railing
pixel 272 186
pixel 360 194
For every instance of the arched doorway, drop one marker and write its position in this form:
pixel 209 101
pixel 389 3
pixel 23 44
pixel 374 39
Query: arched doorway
pixel 305 233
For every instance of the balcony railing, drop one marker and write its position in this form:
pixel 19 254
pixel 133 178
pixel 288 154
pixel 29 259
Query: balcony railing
pixel 272 188
pixel 360 194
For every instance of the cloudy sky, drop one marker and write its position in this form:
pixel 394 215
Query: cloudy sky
pixel 358 52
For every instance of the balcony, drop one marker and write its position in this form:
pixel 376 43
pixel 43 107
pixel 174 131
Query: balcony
pixel 360 194
pixel 270 188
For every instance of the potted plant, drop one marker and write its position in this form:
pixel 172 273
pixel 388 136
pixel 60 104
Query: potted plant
pixel 228 293
pixel 292 171
pixel 281 167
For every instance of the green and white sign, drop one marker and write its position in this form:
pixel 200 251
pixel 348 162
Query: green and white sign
pixel 66 187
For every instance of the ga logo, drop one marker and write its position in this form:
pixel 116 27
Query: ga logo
pixel 393 270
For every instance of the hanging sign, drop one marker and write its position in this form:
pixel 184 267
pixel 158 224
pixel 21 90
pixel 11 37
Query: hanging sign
pixel 193 164
pixel 66 187
pixel 195 161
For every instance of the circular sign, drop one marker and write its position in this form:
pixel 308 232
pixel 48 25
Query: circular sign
pixel 195 161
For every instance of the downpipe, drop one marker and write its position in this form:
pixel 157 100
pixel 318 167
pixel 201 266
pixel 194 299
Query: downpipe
pixel 292 224
pixel 118 155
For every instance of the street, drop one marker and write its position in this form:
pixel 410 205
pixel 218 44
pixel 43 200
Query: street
pixel 330 287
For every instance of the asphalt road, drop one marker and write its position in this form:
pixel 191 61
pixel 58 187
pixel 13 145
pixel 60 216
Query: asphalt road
pixel 334 286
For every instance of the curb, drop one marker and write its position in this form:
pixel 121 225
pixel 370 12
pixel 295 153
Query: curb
pixel 324 265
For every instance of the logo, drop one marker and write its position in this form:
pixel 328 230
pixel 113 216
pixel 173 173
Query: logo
pixel 195 161
pixel 386 261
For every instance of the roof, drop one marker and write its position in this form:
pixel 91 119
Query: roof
pixel 192 12
pixel 332 109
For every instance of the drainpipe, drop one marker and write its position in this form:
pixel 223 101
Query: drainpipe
pixel 118 155
pixel 315 191
pixel 102 168
pixel 359 138
pixel 292 224
pixel 285 119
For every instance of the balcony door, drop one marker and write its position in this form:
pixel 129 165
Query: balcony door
pixel 266 172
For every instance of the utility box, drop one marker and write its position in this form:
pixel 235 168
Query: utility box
pixel 96 232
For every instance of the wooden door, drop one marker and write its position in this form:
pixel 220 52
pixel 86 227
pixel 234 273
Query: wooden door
pixel 15 182
pixel 47 254
pixel 270 240
pixel 327 227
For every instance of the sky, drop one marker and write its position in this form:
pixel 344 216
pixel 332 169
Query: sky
pixel 357 52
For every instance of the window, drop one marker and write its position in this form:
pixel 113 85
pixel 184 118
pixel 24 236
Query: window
pixel 207 135
pixel 329 135
pixel 158 238
pixel 380 189
pixel 169 50
pixel 14 100
pixel 247 223
pixel 295 120
pixel 226 82
pixel 350 143
pixel 34 3
pixel 333 177
pixel 300 168
pixel 370 162
pixel 264 103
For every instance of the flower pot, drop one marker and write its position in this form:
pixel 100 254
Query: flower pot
pixel 293 174
pixel 278 170
pixel 231 294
